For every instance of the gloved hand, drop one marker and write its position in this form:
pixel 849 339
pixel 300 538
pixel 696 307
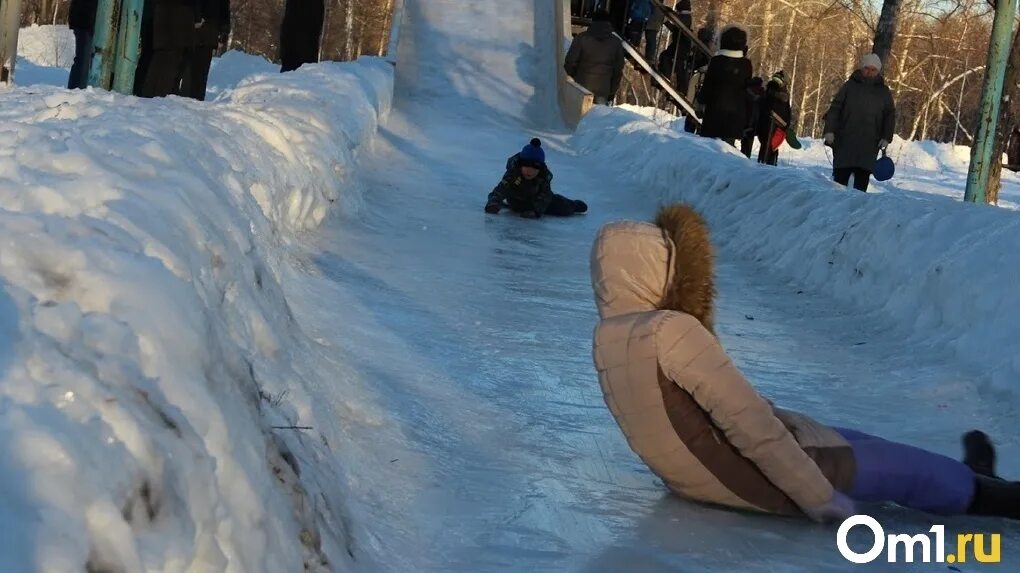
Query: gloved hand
pixel 492 208
pixel 839 508
pixel 529 214
pixel 882 144
pixel 829 138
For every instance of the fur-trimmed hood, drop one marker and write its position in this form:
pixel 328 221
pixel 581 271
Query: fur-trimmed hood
pixel 665 265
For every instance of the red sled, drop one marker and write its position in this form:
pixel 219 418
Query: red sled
pixel 778 137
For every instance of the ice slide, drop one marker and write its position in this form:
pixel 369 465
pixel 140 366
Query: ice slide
pixel 496 451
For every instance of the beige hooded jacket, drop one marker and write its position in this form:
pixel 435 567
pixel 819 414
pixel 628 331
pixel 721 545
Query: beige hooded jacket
pixel 683 406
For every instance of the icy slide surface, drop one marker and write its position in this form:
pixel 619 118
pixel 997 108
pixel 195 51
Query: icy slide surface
pixel 474 333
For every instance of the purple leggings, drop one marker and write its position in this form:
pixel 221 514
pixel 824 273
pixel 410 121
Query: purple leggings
pixel 911 477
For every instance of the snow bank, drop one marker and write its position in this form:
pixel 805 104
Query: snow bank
pixel 48 46
pixel 944 270
pixel 148 349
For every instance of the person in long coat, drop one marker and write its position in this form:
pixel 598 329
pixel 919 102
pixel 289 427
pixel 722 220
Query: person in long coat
pixel 698 422
pixel 300 33
pixel 860 122
pixel 596 58
pixel 213 32
pixel 724 91
pixel 168 38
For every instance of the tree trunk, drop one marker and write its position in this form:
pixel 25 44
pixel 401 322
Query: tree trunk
pixel 349 31
pixel 886 30
pixel 766 35
pixel 1007 116
pixel 787 40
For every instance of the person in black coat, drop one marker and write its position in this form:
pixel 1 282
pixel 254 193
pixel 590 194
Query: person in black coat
pixel 776 101
pixel 724 91
pixel 211 33
pixel 168 38
pixel 300 33
pixel 81 19
pixel 596 58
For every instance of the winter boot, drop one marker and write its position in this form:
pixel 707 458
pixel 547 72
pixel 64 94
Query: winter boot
pixel 979 453
pixel 580 206
pixel 995 497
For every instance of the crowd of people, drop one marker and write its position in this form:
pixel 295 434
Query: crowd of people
pixel 180 37
pixel 732 103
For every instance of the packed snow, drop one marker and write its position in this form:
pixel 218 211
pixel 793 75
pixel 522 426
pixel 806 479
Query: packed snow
pixel 155 381
pixel 942 269
pixel 282 334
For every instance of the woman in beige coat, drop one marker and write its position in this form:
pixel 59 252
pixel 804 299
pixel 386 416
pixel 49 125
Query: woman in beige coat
pixel 690 414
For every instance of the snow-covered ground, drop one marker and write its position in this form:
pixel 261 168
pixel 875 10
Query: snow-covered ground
pixel 943 270
pixel 154 375
pixel 178 278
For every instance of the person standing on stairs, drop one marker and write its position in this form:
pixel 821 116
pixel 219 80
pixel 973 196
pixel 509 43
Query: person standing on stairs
pixel 526 188
pixel 724 91
pixel 595 59
pixel 698 423
pixel 776 101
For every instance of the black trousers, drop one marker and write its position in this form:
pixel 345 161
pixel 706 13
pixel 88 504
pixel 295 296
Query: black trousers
pixel 79 78
pixel 862 177
pixel 196 73
pixel 160 71
pixel 560 206
pixel 746 145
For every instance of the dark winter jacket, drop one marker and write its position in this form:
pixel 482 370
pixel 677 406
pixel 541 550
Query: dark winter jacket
pixel 860 115
pixel 522 194
pixel 595 60
pixel 777 100
pixel 215 16
pixel 656 20
pixel 724 95
pixel 755 93
pixel 171 23
pixel 82 15
pixel 300 33
pixel 640 10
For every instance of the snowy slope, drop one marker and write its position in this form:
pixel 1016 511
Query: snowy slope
pixel 149 347
pixel 452 49
pixel 942 269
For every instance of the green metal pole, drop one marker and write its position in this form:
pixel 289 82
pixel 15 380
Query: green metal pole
pixel 128 49
pixel 10 22
pixel 984 141
pixel 104 44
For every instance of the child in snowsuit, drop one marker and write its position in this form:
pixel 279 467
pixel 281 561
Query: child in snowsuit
pixel 777 101
pixel 526 188
pixel 694 418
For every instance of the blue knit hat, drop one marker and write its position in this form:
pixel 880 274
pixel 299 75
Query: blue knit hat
pixel 533 153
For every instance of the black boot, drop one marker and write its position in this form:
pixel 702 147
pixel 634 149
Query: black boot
pixel 580 206
pixel 979 453
pixel 995 497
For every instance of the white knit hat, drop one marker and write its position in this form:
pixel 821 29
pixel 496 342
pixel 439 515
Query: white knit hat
pixel 870 60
